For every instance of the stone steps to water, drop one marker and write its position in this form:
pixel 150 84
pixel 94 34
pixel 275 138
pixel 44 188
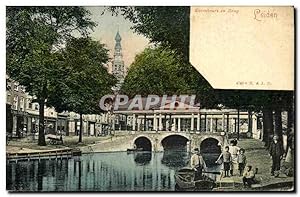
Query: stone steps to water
pixel 229 182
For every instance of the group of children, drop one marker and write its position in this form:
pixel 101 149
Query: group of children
pixel 234 158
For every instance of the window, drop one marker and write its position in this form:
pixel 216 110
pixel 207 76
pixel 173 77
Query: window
pixel 22 89
pixel 36 106
pixel 8 85
pixel 8 97
pixel 21 103
pixel 16 87
pixel 15 103
pixel 30 105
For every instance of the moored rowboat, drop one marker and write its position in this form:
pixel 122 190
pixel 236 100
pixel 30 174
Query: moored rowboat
pixel 184 179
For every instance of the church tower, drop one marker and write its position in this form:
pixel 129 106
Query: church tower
pixel 118 69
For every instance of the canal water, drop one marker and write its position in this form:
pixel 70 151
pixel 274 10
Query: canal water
pixel 119 171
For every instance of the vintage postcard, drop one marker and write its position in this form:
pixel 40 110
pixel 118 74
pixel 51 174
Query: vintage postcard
pixel 150 98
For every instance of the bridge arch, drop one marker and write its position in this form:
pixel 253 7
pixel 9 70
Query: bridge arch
pixel 211 145
pixel 174 142
pixel 143 142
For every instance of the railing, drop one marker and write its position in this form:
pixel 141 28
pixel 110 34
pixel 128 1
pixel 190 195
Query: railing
pixel 162 132
pixel 41 154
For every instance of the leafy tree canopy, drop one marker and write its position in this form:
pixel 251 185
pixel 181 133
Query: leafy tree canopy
pixel 86 78
pixel 33 37
pixel 157 71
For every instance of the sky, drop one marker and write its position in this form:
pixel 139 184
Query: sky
pixel 108 25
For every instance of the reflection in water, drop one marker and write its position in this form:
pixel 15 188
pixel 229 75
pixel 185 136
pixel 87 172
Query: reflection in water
pixel 41 169
pixel 210 158
pixel 98 172
pixel 79 175
pixel 142 158
pixel 175 159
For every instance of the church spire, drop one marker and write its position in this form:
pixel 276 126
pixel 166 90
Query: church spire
pixel 118 37
pixel 118 64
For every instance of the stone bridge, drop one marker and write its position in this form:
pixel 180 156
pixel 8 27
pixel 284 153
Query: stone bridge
pixel 157 141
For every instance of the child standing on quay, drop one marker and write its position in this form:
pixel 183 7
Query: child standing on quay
pixel 242 160
pixel 234 151
pixel 226 160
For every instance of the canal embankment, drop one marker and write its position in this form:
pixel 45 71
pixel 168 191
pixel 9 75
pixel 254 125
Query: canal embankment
pixel 29 154
pixel 116 143
pixel 27 149
pixel 256 153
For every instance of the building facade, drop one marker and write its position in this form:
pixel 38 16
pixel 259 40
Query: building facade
pixel 16 104
pixel 22 113
pixel 23 119
pixel 189 118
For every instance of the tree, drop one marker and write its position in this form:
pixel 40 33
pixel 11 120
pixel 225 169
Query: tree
pixel 86 78
pixel 154 71
pixel 33 36
pixel 158 71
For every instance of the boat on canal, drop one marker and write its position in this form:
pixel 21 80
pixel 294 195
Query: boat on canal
pixel 185 181
pixel 130 150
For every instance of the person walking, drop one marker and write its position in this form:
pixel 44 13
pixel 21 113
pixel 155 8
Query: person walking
pixel 276 153
pixel 198 164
